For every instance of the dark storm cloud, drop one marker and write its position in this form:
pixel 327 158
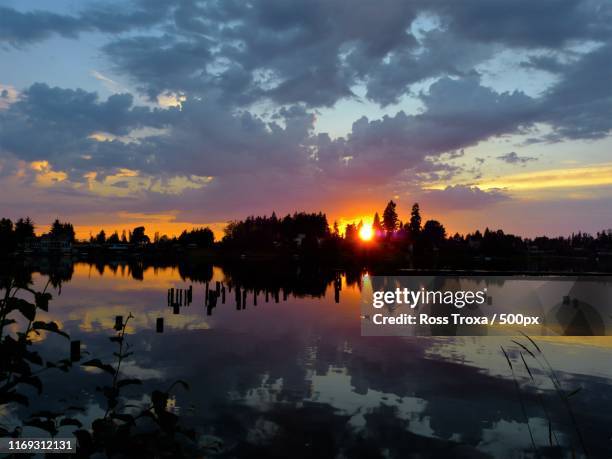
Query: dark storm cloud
pixel 315 52
pixel 225 57
pixel 161 64
pixel 286 52
pixel 20 28
pixel 579 106
pixel 55 124
pixel 457 114
pixel 200 138
pixel 514 158
pixel 527 24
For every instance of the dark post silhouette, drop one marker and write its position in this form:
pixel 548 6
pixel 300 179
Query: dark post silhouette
pixel 75 351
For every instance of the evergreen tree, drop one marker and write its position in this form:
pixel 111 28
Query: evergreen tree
pixel 62 231
pixel 24 230
pixel 390 217
pixel 351 233
pixel 377 227
pixel 415 220
pixel 101 237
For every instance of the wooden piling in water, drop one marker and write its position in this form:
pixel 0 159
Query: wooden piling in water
pixel 176 309
pixel 212 303
pixel 75 351
pixel 159 325
pixel 223 294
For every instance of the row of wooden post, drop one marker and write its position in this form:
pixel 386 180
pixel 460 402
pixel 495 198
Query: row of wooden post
pixel 180 297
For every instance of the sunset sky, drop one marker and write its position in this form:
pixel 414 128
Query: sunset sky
pixel 176 114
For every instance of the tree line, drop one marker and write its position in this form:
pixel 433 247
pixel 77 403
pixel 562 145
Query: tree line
pixel 310 232
pixel 13 235
pixel 20 234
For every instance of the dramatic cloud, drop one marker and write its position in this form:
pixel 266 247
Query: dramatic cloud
pixel 20 28
pixel 514 158
pixel 217 104
pixel 461 197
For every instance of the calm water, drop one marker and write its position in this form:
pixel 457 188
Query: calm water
pixel 296 379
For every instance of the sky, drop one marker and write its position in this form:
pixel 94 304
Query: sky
pixel 175 114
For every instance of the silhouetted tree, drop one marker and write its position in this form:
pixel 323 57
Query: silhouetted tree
pixel 414 227
pixel 377 227
pixel 138 236
pixel 101 237
pixel 433 233
pixel 390 217
pixel 24 230
pixel 7 235
pixel 336 230
pixel 202 237
pixel 351 233
pixel 62 231
pixel 272 232
pixel 113 238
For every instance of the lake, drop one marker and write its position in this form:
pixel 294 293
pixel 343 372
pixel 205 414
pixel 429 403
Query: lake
pixel 293 377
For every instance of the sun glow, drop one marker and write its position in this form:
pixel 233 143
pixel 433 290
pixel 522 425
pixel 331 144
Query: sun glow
pixel 366 233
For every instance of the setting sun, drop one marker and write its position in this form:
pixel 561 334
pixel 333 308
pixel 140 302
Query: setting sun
pixel 366 233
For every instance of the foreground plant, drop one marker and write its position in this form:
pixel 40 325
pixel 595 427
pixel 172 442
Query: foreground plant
pixel 125 430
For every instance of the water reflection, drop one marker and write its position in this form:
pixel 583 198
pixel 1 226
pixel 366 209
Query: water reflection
pixel 278 367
